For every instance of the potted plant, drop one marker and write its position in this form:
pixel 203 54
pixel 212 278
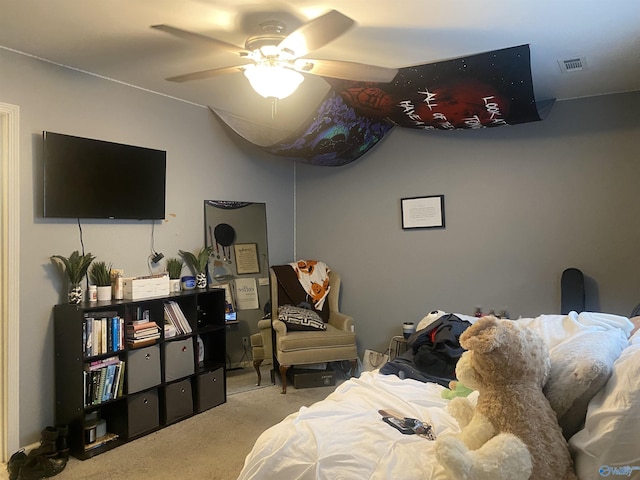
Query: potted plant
pixel 100 275
pixel 198 263
pixel 174 269
pixel 76 266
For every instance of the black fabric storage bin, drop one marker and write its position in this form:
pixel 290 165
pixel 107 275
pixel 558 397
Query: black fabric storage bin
pixel 211 389
pixel 178 400
pixel 143 412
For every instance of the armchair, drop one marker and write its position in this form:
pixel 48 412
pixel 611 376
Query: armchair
pixel 295 347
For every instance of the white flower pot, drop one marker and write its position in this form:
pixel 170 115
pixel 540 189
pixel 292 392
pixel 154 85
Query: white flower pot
pixel 104 293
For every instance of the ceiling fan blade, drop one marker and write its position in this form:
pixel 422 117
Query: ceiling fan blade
pixel 316 33
pixel 178 32
pixel 213 72
pixel 346 70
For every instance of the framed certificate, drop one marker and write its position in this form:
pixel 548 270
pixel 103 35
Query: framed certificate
pixel 246 258
pixel 423 212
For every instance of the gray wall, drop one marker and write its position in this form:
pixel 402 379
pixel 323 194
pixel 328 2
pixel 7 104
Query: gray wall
pixel 202 163
pixel 522 203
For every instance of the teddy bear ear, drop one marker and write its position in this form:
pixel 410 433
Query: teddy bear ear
pixel 483 336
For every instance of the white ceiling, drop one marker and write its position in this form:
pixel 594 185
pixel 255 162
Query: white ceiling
pixel 112 39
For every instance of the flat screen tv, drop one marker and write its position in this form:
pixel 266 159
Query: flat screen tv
pixel 87 178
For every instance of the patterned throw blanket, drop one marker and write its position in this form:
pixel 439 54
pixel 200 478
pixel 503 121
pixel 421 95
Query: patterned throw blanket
pixel 314 278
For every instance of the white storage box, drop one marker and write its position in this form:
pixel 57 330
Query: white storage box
pixel 135 288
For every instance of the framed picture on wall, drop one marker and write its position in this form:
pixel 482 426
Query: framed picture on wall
pixel 246 258
pixel 422 212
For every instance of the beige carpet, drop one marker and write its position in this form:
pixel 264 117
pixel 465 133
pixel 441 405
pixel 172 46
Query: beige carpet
pixel 245 379
pixel 211 445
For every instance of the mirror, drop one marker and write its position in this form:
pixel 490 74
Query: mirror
pixel 237 231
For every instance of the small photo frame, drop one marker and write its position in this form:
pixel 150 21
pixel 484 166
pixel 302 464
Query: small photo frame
pixel 246 258
pixel 422 212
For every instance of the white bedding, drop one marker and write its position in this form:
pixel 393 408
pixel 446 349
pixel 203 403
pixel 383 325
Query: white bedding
pixel 344 437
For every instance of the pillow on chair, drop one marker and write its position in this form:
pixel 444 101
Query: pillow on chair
pixel 298 318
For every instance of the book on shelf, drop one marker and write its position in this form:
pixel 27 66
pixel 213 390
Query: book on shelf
pixel 93 388
pixel 97 336
pixel 87 332
pixel 142 315
pixel 186 327
pixel 121 331
pixel 99 364
pixel 106 438
pixel 141 343
pixel 134 327
pixel 109 378
pixel 85 386
pixel 120 384
pixel 116 380
pixel 151 333
pixel 170 318
pixel 142 333
pixel 97 395
pixel 84 337
pixel 109 334
pixel 174 315
pixel 101 333
pixel 116 343
pixel 102 380
pixel 119 380
pixel 169 330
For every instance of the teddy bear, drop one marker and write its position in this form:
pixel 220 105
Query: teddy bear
pixel 512 432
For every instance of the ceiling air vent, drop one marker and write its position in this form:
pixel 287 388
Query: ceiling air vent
pixel 574 64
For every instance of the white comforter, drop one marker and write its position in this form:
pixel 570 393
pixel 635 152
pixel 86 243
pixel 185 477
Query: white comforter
pixel 344 437
pixel 338 439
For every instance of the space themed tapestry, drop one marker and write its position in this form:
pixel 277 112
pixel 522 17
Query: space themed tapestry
pixel 479 91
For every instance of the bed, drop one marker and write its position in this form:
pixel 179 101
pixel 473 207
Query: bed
pixel 594 386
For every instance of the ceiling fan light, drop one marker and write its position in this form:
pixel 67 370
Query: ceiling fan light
pixel 269 50
pixel 273 81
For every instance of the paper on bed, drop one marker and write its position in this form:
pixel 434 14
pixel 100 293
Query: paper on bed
pixel 345 437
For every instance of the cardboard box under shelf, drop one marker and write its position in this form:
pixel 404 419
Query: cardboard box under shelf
pixel 136 288
pixel 307 378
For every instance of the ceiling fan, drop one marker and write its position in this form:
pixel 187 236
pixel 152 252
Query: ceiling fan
pixel 273 60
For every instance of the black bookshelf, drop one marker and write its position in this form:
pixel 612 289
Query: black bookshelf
pixel 163 381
